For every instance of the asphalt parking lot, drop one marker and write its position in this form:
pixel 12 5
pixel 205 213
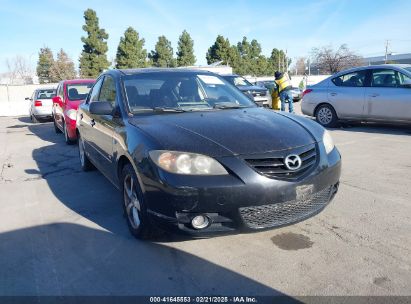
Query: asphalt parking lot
pixel 62 231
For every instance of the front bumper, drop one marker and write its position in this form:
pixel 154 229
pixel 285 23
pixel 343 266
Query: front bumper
pixel 242 201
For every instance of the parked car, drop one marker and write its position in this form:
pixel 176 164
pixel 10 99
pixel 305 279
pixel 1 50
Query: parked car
pixel 41 104
pixel 297 94
pixel 260 95
pixel 379 93
pixel 69 94
pixel 270 85
pixel 191 153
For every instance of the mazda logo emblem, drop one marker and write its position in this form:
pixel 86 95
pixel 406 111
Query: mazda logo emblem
pixel 293 162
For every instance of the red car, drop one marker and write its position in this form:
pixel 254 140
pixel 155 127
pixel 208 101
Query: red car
pixel 69 95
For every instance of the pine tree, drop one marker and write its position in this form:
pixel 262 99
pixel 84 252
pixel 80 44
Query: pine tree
pixel 130 51
pixel 185 54
pixel 44 65
pixel 162 56
pixel 93 59
pixel 221 50
pixel 63 68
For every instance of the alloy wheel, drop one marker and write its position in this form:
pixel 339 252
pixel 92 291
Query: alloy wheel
pixel 131 202
pixel 325 116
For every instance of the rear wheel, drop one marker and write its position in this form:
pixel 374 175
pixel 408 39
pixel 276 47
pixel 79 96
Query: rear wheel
pixel 56 128
pixel 66 136
pixel 133 204
pixel 85 163
pixel 326 116
pixel 33 119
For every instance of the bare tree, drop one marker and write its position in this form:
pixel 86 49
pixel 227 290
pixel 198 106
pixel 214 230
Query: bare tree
pixel 300 66
pixel 332 61
pixel 19 70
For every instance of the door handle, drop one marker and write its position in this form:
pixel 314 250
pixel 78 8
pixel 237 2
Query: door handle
pixel 333 94
pixel 374 95
pixel 92 122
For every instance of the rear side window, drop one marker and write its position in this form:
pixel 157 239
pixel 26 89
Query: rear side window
pixel 353 79
pixel 108 90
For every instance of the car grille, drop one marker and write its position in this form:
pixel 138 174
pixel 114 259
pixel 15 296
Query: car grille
pixel 267 216
pixel 274 167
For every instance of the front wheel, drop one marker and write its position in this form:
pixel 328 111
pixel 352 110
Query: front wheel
pixel 326 116
pixel 133 204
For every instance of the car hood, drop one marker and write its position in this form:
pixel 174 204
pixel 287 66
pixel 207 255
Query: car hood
pixel 225 132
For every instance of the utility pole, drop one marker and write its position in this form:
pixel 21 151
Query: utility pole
pixel 386 51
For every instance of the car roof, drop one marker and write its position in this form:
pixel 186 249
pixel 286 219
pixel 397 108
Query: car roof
pixel 368 67
pixel 84 80
pixel 159 70
pixel 46 89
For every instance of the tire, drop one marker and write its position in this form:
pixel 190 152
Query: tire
pixel 56 129
pixel 135 210
pixel 85 163
pixel 66 137
pixel 326 116
pixel 33 119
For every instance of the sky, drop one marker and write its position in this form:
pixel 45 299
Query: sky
pixel 294 25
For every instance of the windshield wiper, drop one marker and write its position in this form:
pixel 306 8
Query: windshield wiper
pixel 166 109
pixel 228 106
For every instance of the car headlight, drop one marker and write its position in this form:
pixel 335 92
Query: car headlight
pixel 72 114
pixel 328 142
pixel 187 163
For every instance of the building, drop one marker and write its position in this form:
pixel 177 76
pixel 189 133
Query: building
pixel 391 58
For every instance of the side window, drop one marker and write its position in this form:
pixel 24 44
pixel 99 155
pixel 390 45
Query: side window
pixel 354 79
pixel 384 78
pixel 403 79
pixel 108 91
pixel 96 90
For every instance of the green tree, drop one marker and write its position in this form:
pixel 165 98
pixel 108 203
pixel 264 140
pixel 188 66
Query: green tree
pixel 185 54
pixel 162 55
pixel 93 59
pixel 221 50
pixel 279 61
pixel 44 65
pixel 62 68
pixel 130 51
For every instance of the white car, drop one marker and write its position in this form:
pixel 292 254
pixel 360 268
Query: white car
pixel 41 104
pixel 379 93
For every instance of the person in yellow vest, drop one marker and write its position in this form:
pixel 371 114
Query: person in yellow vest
pixel 284 86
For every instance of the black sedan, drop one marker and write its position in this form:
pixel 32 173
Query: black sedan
pixel 191 153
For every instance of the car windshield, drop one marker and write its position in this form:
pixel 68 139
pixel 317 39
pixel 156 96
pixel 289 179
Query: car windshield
pixel 408 69
pixel 46 94
pixel 78 91
pixel 182 91
pixel 238 81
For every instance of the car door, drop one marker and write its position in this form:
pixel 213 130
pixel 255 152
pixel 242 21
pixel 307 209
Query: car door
pixel 86 122
pixel 347 94
pixel 103 127
pixel 387 98
pixel 58 109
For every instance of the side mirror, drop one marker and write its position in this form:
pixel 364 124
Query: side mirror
pixel 27 98
pixel 57 100
pixel 101 108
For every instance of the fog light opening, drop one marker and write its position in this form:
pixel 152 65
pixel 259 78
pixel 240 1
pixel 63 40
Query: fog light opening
pixel 200 222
